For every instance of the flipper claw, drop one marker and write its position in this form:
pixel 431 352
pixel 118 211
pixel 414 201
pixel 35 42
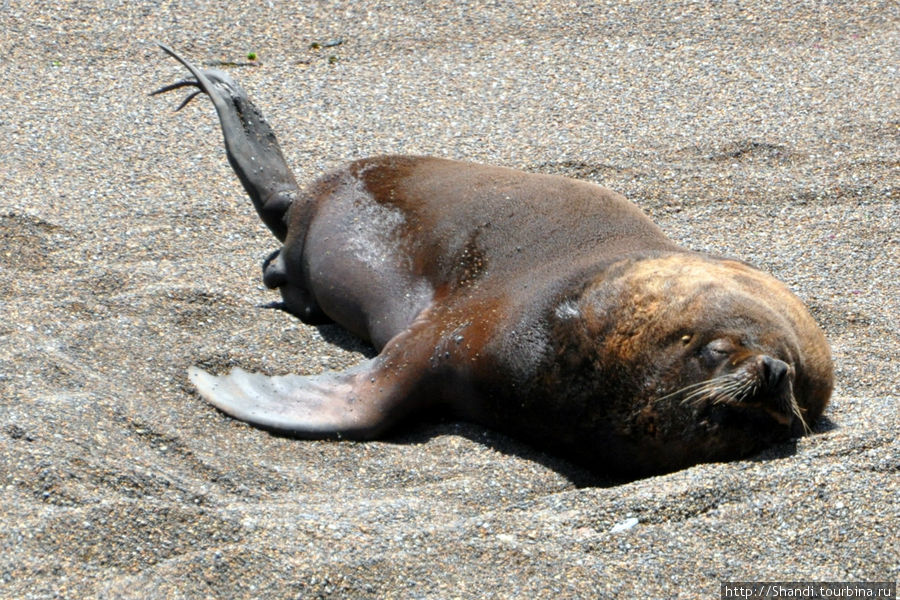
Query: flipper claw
pixel 175 86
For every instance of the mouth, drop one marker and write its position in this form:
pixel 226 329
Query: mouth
pixel 783 409
pixel 764 388
pixel 755 420
pixel 780 417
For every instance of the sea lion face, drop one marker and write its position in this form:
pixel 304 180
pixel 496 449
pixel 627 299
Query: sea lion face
pixel 697 359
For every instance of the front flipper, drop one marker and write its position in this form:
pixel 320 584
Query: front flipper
pixel 315 406
pixel 359 403
pixel 251 146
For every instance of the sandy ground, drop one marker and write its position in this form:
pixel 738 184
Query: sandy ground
pixel 128 252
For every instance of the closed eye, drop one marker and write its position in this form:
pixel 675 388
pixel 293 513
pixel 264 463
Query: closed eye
pixel 715 353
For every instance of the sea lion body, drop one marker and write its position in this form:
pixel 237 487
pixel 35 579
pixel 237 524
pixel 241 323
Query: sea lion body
pixel 545 307
pixel 385 236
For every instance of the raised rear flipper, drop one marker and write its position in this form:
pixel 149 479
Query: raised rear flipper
pixel 251 146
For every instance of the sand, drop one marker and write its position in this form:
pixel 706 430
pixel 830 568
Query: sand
pixel 128 252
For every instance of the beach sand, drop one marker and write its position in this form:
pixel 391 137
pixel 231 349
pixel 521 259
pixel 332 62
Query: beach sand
pixel 128 252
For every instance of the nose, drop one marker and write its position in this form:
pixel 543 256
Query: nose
pixel 774 372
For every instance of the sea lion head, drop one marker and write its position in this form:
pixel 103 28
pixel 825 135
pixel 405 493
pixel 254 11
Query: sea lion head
pixel 692 359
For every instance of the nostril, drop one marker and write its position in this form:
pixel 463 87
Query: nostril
pixel 774 372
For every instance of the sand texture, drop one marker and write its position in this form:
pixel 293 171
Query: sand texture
pixel 128 252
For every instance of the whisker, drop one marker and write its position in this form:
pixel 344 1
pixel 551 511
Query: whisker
pixel 730 389
pixel 746 390
pixel 712 389
pixel 730 393
pixel 698 394
pixel 692 386
pixel 796 410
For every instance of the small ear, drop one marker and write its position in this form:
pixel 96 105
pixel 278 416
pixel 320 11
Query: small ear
pixel 567 309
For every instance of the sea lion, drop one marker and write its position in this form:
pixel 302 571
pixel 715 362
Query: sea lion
pixel 545 307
